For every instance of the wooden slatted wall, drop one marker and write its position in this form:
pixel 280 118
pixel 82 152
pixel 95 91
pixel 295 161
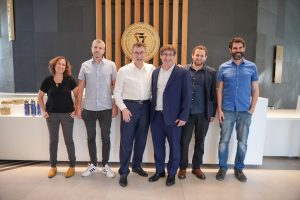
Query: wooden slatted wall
pixel 171 16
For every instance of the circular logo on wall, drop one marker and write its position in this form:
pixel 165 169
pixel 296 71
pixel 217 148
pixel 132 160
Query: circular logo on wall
pixel 140 32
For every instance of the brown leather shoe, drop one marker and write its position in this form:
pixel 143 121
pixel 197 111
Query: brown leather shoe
pixel 182 174
pixel 52 172
pixel 70 172
pixel 199 173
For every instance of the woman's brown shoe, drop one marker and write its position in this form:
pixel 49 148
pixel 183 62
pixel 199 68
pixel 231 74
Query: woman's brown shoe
pixel 70 172
pixel 52 172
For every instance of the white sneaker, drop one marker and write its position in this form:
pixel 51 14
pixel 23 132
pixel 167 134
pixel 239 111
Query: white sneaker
pixel 107 171
pixel 90 170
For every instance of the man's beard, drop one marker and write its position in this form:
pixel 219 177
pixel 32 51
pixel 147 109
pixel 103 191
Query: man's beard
pixel 238 55
pixel 198 63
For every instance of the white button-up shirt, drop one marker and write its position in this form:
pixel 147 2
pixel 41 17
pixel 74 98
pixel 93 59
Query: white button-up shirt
pixel 133 83
pixel 162 81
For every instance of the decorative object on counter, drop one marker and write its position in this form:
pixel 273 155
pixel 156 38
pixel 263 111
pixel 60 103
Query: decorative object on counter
pixel 5 110
pixel 38 109
pixel 33 107
pixel 26 107
pixel 13 101
pixel 271 107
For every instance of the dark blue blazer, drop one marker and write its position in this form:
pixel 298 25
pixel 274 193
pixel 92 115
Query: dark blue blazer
pixel 177 95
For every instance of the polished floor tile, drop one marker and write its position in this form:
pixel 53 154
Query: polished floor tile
pixel 276 179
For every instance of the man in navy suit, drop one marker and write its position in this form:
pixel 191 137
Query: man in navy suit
pixel 170 106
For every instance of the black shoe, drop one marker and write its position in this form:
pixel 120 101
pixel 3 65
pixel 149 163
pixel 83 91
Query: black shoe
pixel 221 174
pixel 123 180
pixel 140 172
pixel 240 175
pixel 170 180
pixel 156 176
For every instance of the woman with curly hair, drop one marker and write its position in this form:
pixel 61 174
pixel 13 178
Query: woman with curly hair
pixel 59 109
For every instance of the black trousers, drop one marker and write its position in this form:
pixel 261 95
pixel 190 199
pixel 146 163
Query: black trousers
pixel 199 123
pixel 104 118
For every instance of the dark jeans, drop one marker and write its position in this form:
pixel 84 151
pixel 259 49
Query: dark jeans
pixel 53 122
pixel 104 118
pixel 200 123
pixel 134 136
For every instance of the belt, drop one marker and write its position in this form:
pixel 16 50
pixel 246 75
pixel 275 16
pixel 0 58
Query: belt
pixel 137 101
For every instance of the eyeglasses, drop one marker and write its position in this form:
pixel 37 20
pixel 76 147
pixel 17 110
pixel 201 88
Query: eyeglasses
pixel 139 53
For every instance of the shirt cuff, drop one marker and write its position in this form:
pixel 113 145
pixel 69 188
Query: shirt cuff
pixel 122 107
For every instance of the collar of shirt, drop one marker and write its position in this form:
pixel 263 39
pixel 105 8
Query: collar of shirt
pixel 134 67
pixel 103 60
pixel 194 70
pixel 168 70
pixel 232 61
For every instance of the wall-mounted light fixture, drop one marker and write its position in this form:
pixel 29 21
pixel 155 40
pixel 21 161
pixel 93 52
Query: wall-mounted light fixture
pixel 10 17
pixel 277 73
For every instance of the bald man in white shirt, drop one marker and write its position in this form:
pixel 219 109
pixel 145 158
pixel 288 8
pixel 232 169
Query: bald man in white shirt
pixel 132 95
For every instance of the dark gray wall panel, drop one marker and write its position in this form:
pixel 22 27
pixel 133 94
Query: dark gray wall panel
pixel 41 68
pixel 24 68
pixel 24 44
pixel 49 28
pixel 25 74
pixel 46 44
pixel 45 15
pixel 214 23
pixel 23 15
pixel 279 24
pixel 71 19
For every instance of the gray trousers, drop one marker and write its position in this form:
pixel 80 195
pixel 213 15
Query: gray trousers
pixel 53 122
pixel 90 118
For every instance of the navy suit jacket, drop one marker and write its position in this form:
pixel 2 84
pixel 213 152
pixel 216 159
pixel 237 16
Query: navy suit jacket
pixel 177 95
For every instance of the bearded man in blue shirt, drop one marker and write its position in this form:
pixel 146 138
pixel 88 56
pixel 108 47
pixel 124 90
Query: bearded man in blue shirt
pixel 237 95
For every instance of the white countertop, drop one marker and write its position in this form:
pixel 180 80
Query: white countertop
pixel 283 114
pixel 282 133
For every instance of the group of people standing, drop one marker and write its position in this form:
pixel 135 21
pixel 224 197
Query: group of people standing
pixel 172 100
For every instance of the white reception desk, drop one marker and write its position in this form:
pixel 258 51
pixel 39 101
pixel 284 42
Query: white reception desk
pixel 283 133
pixel 26 138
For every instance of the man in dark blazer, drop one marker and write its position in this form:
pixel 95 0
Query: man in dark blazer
pixel 170 105
pixel 202 112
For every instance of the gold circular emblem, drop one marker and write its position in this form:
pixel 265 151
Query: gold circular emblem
pixel 140 32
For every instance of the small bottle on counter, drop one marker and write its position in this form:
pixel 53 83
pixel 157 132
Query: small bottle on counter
pixel 26 107
pixel 33 107
pixel 38 109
